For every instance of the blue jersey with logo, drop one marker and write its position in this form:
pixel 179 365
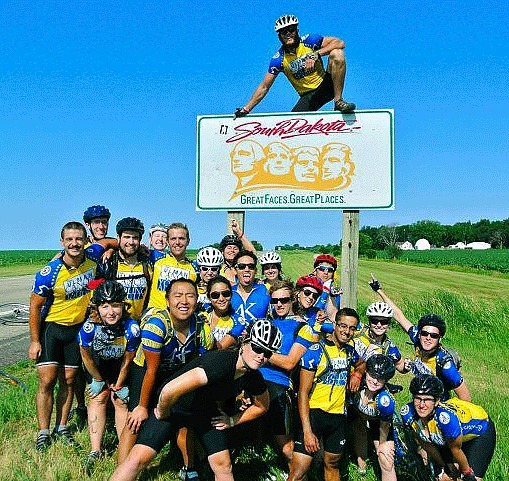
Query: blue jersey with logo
pixel 246 312
pixel 382 406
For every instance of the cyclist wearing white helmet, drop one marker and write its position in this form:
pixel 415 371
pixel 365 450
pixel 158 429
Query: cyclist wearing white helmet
pixel 209 260
pixel 372 339
pixel 158 237
pixel 300 59
pixel 193 395
pixel 430 356
pixel 271 267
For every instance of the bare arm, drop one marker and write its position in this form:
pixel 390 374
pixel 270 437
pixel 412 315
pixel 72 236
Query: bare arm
pixel 290 360
pixel 306 382
pixel 246 243
pixel 458 454
pixel 226 342
pixel 462 392
pixel 36 304
pixel 260 92
pixel 173 390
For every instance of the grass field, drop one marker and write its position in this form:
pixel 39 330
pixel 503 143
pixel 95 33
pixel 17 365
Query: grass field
pixel 488 260
pixel 476 308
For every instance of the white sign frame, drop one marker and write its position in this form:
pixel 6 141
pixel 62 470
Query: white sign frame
pixel 365 139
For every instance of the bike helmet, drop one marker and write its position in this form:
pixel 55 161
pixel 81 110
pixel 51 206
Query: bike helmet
pixel 159 227
pixel 285 21
pixel 230 240
pixel 432 320
pixel 379 309
pixel 95 211
pixel 381 367
pixel 108 291
pixel 427 384
pixel 270 257
pixel 309 281
pixel 209 256
pixel 130 223
pixel 326 258
pixel 266 335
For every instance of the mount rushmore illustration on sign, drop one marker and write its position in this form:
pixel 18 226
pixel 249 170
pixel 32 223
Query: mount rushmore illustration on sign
pixel 296 161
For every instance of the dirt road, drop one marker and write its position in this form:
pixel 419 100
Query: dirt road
pixel 14 340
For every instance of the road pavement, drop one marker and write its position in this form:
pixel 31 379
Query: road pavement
pixel 14 339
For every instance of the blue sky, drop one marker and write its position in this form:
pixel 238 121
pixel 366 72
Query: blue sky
pixel 99 103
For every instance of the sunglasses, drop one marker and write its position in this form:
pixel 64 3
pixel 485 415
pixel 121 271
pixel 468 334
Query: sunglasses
pixel 209 268
pixel 240 266
pixel 329 270
pixel 433 335
pixel 424 400
pixel 292 29
pixel 261 350
pixel 215 295
pixel 384 321
pixel 308 293
pixel 282 300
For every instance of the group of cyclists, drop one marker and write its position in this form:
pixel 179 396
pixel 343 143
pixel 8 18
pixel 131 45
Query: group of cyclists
pixel 207 354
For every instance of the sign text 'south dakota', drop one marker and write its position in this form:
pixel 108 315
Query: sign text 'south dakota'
pixel 271 200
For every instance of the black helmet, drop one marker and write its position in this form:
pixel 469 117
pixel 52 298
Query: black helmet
pixel 108 291
pixel 427 384
pixel 265 334
pixel 230 240
pixel 380 367
pixel 432 320
pixel 95 211
pixel 130 223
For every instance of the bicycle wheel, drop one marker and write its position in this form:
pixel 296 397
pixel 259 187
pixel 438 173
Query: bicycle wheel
pixel 14 313
pixel 12 380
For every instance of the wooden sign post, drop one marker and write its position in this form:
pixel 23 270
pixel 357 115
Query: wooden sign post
pixel 350 258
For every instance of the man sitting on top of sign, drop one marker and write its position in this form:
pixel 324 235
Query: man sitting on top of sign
pixel 300 59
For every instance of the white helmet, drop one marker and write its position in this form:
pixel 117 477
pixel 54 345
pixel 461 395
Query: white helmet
pixel 209 256
pixel 379 309
pixel 285 21
pixel 270 257
pixel 266 335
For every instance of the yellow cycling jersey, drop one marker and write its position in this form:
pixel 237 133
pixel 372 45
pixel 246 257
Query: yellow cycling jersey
pixel 135 283
pixel 223 326
pixel 66 288
pixel 332 365
pixel 165 269
pixel 292 64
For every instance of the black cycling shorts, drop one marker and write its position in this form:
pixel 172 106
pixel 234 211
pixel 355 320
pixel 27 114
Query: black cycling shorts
pixel 59 345
pixel 108 368
pixel 312 101
pixel 279 416
pixel 156 433
pixel 331 428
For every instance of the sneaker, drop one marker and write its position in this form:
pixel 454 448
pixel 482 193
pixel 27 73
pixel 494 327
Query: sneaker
pixel 191 476
pixel 182 473
pixel 64 435
pixel 43 442
pixel 90 461
pixel 343 106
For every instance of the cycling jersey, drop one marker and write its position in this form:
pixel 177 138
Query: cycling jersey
pixel 292 64
pixel 321 303
pixel 452 418
pixel 166 268
pixel 106 343
pixel 440 365
pixel 382 406
pixel 290 327
pixel 135 280
pixel 223 326
pixel 203 300
pixel 66 288
pixel 366 346
pixel 332 367
pixel 158 335
pixel 254 307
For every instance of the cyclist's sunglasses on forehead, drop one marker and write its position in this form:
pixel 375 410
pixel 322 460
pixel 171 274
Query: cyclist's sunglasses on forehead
pixel 261 350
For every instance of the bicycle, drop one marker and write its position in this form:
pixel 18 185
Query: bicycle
pixel 7 378
pixel 14 313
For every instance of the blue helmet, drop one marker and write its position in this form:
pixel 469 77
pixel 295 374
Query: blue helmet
pixel 95 211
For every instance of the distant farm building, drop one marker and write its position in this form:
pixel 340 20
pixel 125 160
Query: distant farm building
pixel 478 246
pixel 458 245
pixel 422 245
pixel 406 246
